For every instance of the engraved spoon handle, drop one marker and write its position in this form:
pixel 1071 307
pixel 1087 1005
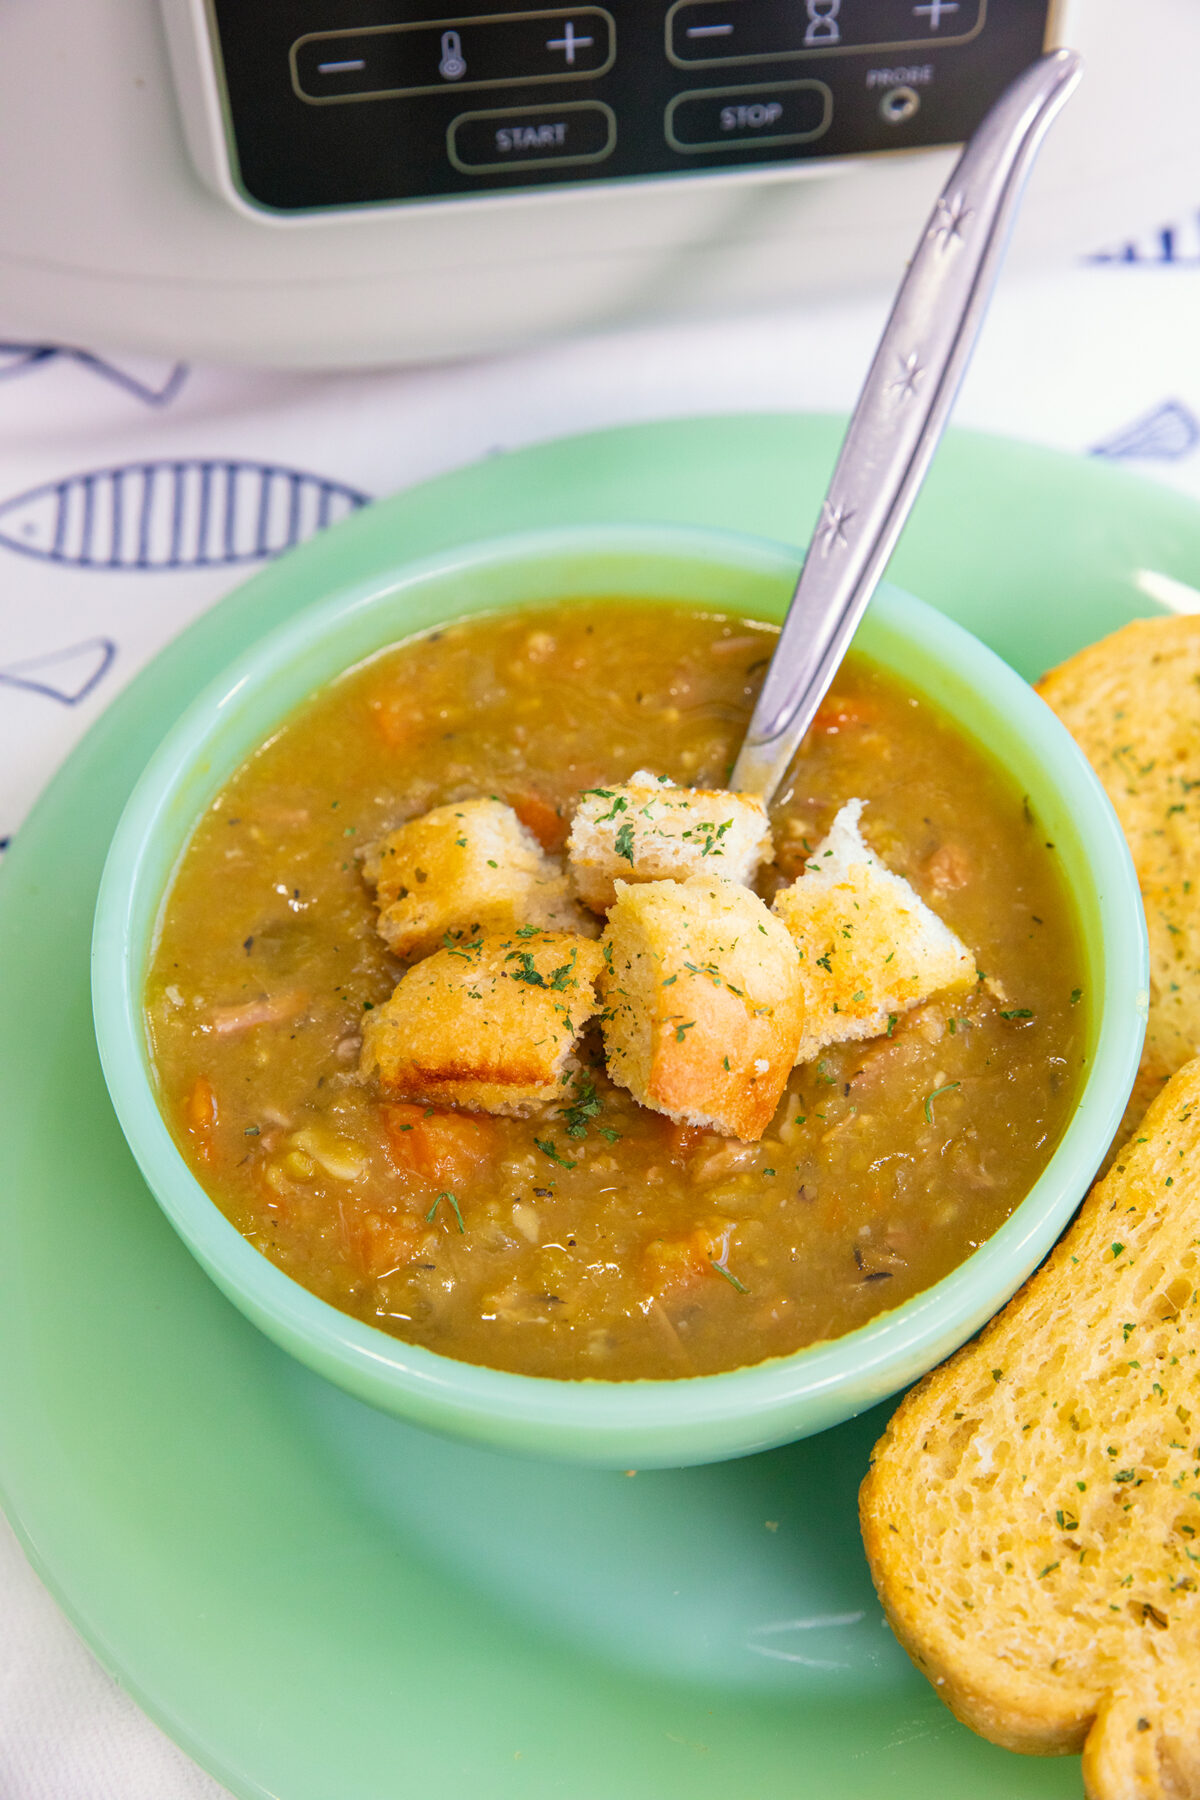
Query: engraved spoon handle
pixel 901 413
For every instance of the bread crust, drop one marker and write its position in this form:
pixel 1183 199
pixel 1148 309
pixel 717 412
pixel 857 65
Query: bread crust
pixel 1132 703
pixel 645 829
pixel 1032 1513
pixel 702 1002
pixel 488 1026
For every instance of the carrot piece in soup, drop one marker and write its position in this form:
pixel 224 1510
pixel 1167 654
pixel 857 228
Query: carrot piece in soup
pixel 948 868
pixel 540 816
pixel 672 1264
pixel 842 712
pixel 683 1141
pixel 440 1147
pixel 200 1116
pixel 379 1245
pixel 399 720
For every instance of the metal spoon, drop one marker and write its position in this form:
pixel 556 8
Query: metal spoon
pixel 901 414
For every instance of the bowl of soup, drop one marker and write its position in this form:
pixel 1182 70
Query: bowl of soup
pixel 591 1278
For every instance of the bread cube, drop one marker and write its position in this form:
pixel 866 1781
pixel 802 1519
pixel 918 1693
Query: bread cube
pixel 647 830
pixel 488 1025
pixel 869 946
pixel 703 1003
pixel 460 869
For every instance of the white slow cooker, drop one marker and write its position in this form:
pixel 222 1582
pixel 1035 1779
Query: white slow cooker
pixel 320 182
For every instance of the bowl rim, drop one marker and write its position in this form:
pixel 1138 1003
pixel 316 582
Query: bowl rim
pixel 732 1411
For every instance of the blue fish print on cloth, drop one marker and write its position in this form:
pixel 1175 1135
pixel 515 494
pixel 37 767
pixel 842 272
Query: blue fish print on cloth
pixel 1167 434
pixel 1177 244
pixel 195 514
pixel 68 676
pixel 19 359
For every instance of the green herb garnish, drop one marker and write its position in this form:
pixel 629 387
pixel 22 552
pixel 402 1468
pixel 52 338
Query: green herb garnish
pixel 528 970
pixel 547 1149
pixel 560 978
pixel 936 1095
pixel 585 1106
pixel 453 1199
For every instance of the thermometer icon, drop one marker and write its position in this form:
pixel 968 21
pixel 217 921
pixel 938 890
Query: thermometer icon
pixel 452 67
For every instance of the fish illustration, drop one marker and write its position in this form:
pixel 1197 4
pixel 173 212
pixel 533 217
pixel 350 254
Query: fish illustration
pixel 188 514
pixel 15 359
pixel 154 384
pixel 66 675
pixel 1177 244
pixel 1167 433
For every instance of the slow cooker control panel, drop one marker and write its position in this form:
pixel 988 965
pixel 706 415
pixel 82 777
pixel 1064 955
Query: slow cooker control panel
pixel 346 103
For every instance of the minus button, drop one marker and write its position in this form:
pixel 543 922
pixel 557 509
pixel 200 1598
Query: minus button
pixel 707 31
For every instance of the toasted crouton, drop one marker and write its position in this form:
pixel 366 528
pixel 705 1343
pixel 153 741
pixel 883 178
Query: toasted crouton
pixel 869 946
pixel 647 830
pixel 488 1026
pixel 1132 705
pixel 703 1007
pixel 462 868
pixel 1031 1516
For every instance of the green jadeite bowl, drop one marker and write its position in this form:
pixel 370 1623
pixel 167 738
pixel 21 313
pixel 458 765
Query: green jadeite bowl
pixel 643 1424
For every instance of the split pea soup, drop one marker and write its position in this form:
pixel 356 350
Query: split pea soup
pixel 599 1239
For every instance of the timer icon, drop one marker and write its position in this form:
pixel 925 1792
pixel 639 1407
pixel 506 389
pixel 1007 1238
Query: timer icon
pixel 452 67
pixel 823 27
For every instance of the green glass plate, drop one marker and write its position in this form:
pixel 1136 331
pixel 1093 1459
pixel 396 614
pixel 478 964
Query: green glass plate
pixel 316 1601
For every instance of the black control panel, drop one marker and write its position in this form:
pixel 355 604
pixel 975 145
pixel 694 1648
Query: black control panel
pixel 344 103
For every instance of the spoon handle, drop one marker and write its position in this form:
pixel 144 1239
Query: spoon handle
pixel 901 414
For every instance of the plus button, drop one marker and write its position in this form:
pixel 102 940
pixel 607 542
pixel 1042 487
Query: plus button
pixel 568 43
pixel 935 9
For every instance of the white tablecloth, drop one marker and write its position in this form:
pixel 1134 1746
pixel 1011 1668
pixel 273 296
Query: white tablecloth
pixel 1102 358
